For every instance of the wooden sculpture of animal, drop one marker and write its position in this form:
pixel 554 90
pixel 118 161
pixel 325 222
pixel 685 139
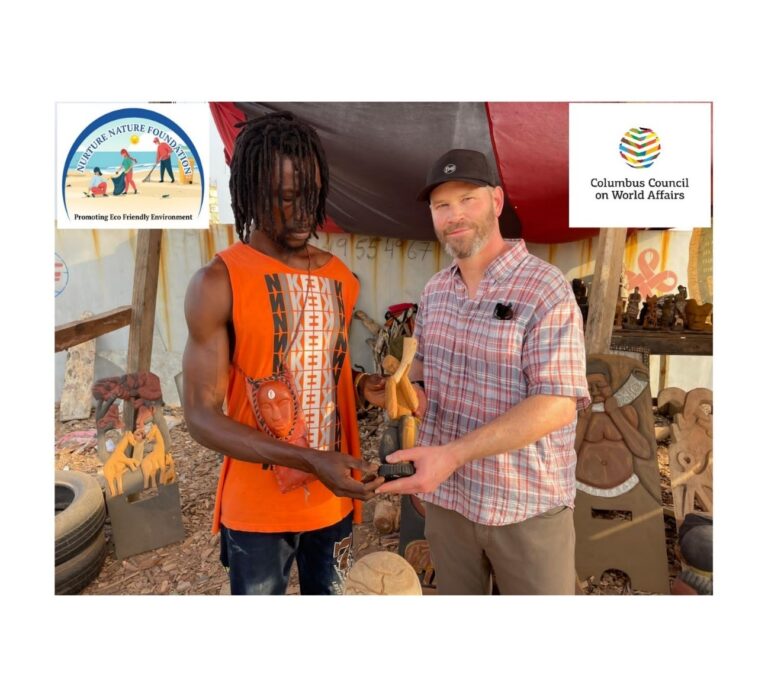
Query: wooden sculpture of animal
pixel 115 466
pixel 169 473
pixel 153 464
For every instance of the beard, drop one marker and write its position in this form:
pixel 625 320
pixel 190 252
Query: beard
pixel 467 246
pixel 286 241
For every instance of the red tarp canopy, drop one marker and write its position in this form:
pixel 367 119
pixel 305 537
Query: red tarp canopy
pixel 379 154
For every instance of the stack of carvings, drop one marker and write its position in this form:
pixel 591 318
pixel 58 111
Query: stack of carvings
pixel 672 312
pixel 669 312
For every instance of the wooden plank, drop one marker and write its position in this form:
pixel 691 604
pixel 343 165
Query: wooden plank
pixel 82 330
pixel 663 343
pixel 144 299
pixel 605 289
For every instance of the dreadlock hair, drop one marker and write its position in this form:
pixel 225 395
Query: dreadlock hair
pixel 260 147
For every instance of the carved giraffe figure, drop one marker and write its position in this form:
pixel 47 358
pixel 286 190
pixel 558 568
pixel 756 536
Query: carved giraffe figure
pixel 114 467
pixel 152 465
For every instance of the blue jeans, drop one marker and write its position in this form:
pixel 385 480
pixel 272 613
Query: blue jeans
pixel 165 166
pixel 259 563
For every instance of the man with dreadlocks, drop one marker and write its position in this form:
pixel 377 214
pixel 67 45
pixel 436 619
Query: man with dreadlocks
pixel 273 310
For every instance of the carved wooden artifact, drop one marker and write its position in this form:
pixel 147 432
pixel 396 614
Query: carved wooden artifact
pixel 401 401
pixel 118 462
pixel 618 516
pixel 633 307
pixel 696 315
pixel 690 454
pixel 141 391
pixel 278 414
pixel 382 573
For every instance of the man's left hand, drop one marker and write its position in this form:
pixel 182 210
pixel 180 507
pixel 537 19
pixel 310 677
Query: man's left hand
pixel 433 465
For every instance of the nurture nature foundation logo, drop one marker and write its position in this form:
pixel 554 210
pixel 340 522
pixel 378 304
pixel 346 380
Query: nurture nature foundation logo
pixel 132 167
pixel 640 147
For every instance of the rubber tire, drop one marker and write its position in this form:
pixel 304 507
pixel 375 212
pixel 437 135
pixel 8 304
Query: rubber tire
pixel 76 573
pixel 80 512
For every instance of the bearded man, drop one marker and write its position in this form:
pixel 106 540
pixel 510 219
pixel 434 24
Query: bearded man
pixel 501 355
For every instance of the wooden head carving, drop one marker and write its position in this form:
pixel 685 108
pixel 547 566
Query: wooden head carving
pixel 276 407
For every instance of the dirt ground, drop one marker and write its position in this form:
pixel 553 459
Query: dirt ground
pixel 192 567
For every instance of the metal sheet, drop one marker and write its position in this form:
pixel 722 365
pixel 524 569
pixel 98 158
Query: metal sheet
pixel 100 266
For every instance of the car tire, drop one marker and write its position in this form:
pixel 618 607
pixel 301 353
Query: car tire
pixel 77 572
pixel 80 513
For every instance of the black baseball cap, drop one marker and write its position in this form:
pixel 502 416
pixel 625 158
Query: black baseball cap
pixel 459 165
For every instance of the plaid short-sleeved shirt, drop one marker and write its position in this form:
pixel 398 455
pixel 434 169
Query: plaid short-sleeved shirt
pixel 476 367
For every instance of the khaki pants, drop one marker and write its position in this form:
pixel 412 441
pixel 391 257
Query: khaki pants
pixel 534 557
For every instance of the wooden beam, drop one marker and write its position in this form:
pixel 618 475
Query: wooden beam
pixel 145 277
pixel 605 289
pixel 82 330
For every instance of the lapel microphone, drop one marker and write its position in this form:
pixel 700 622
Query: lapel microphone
pixel 502 311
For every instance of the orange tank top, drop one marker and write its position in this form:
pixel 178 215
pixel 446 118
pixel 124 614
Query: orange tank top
pixel 267 301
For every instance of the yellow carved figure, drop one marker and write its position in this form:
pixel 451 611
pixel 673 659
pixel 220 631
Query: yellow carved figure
pixel 114 467
pixel 169 473
pixel 152 465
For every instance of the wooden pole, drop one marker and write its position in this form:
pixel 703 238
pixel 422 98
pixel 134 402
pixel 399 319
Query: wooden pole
pixel 663 368
pixel 143 303
pixel 605 289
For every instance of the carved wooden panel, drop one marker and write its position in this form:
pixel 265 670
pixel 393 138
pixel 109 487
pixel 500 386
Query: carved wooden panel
pixel 618 517
pixel 690 453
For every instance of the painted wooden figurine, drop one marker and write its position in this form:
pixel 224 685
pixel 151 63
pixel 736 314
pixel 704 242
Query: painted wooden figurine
pixel 401 402
pixel 118 462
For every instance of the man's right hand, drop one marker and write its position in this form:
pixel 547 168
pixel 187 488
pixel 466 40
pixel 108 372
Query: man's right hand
pixel 334 470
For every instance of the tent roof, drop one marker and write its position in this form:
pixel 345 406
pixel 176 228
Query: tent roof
pixel 379 154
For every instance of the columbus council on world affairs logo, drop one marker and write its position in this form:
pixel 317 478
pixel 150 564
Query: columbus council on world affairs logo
pixel 640 147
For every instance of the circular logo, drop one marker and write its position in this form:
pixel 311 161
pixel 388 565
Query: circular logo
pixel 449 169
pixel 640 147
pixel 62 275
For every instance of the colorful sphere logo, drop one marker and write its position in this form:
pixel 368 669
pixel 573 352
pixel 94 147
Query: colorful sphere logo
pixel 640 147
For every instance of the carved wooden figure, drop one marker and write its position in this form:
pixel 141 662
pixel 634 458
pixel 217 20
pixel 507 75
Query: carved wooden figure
pixel 668 313
pixel 619 313
pixel 690 454
pixel 169 473
pixel 118 461
pixel 401 402
pixel 633 307
pixel 680 300
pixel 152 465
pixel 651 317
pixel 141 390
pixel 618 516
pixel 696 315
pixel 417 554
